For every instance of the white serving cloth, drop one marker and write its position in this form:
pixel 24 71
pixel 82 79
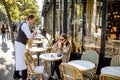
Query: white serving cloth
pixel 19 54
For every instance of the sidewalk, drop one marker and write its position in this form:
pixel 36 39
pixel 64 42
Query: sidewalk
pixel 7 59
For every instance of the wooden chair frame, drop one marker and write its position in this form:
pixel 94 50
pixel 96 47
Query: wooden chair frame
pixel 114 58
pixel 31 62
pixel 102 77
pixel 63 65
pixel 96 64
pixel 112 63
pixel 68 54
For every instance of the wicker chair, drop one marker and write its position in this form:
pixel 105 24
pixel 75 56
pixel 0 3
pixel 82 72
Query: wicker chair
pixel 29 43
pixel 70 73
pixel 66 56
pixel 115 61
pixel 49 44
pixel 31 66
pixel 108 77
pixel 93 57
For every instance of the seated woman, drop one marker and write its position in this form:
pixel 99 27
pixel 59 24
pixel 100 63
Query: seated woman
pixel 61 46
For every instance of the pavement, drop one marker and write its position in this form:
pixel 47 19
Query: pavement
pixel 7 59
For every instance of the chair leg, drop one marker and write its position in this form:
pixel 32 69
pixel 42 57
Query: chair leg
pixel 28 76
pixel 102 78
pixel 41 77
pixel 90 78
pixel 46 65
pixel 64 77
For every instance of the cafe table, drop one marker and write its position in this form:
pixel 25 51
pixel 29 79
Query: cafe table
pixel 37 50
pixel 93 46
pixel 82 65
pixel 111 70
pixel 118 41
pixel 38 41
pixel 39 37
pixel 51 57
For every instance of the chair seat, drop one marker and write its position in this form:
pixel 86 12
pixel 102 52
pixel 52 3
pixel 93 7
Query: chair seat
pixel 39 69
pixel 89 73
pixel 34 56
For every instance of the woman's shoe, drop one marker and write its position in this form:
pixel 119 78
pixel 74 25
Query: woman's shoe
pixel 50 78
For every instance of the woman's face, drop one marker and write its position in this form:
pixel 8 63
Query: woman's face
pixel 62 39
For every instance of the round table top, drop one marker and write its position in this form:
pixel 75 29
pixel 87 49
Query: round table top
pixel 39 37
pixel 116 41
pixel 51 57
pixel 111 70
pixel 48 47
pixel 93 46
pixel 82 65
pixel 37 42
pixel 37 49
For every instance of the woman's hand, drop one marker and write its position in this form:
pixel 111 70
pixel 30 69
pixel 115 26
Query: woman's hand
pixel 65 42
pixel 60 45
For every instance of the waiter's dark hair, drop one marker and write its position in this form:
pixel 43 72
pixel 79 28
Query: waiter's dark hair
pixel 31 16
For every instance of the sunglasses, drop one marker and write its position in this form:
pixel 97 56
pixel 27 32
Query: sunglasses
pixel 61 39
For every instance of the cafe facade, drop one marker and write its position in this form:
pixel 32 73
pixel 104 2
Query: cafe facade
pixel 86 22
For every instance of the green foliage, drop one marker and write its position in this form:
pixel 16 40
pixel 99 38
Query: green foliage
pixel 2 17
pixel 27 7
pixel 20 9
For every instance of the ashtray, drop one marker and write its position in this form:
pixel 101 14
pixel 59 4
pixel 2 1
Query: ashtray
pixel 59 54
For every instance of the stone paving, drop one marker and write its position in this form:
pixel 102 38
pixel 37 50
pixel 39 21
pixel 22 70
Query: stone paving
pixel 7 59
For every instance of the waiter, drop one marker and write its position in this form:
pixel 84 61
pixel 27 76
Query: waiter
pixel 23 35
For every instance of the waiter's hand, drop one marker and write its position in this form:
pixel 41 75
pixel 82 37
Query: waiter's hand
pixel 34 34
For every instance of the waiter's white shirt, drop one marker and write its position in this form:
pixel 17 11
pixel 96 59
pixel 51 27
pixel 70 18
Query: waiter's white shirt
pixel 20 48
